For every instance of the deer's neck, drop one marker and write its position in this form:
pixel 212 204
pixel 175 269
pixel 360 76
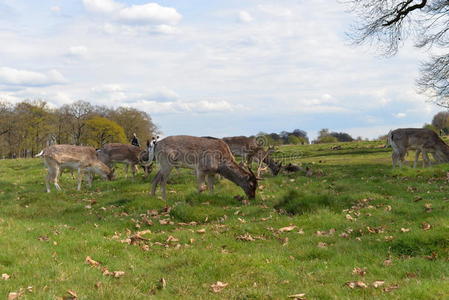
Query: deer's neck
pixel 233 172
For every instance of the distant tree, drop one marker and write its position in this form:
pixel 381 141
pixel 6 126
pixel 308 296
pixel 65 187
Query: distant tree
pixel 77 114
pixel 294 140
pixel 100 131
pixel 34 126
pixel 134 121
pixel 431 127
pixel 326 139
pixel 441 121
pixel 342 136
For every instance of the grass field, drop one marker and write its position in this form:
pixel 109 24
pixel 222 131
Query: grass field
pixel 353 223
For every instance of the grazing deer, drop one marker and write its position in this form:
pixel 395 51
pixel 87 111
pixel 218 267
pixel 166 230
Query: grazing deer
pixel 420 139
pixel 81 158
pixel 129 155
pixel 206 156
pixel 249 149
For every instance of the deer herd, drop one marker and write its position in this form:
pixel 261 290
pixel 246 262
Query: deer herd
pixel 209 156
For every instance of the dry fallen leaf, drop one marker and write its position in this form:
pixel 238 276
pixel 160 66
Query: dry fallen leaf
pixel 287 229
pixel 14 295
pixel 92 262
pixel 425 226
pixel 201 231
pixel 298 296
pixel 378 283
pixel 118 274
pixel 405 229
pixel 245 237
pixel 162 284
pixel 349 217
pixel 73 294
pixel 322 245
pixel 218 286
pixel 5 276
pixel 388 262
pixel 356 284
pixel 171 239
pixel 359 271
pixel 391 288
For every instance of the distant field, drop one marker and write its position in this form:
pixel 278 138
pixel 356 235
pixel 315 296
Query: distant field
pixel 355 229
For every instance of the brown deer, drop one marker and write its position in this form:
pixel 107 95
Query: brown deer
pixel 206 156
pixel 420 139
pixel 127 154
pixel 250 149
pixel 81 158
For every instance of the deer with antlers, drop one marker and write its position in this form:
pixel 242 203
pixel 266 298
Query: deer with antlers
pixel 251 150
pixel 206 156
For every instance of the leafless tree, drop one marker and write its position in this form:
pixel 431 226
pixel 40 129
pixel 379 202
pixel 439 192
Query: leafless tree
pixel 387 23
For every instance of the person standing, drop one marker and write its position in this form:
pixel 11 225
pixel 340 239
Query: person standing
pixel 135 140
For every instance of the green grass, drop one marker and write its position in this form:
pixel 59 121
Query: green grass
pixel 45 238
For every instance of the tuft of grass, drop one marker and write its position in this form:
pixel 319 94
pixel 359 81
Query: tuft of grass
pixel 298 203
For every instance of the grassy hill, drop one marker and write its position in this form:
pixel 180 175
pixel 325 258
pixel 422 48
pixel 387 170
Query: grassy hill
pixel 354 222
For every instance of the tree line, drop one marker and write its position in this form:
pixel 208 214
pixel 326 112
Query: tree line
pixel 30 125
pixel 299 137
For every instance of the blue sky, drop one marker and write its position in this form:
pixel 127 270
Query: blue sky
pixel 217 68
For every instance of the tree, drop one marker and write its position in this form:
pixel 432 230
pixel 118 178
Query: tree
pixel 441 121
pixel 134 121
pixel 100 131
pixel 342 136
pixel 76 115
pixel 34 126
pixel 388 23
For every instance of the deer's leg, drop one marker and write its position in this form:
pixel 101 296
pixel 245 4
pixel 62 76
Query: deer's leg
pixel 48 178
pixel 133 170
pixel 57 172
pixel 210 182
pixel 425 159
pixel 80 178
pixel 200 176
pixel 164 179
pixel 417 153
pixel 155 182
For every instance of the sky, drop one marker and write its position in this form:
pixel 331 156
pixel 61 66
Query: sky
pixel 210 67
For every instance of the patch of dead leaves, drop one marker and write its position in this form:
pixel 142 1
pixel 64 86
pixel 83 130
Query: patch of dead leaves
pixel 356 284
pixel 325 233
pixel 5 276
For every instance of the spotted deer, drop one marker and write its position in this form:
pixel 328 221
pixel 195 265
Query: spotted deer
pixel 206 156
pixel 81 158
pixel 420 139
pixel 127 154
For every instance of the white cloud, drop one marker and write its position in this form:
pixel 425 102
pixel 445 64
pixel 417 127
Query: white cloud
pixel 245 17
pixel 148 14
pixel 275 10
pixel 55 9
pixel 400 115
pixel 78 51
pixel 10 76
pixel 102 6
pixel 203 106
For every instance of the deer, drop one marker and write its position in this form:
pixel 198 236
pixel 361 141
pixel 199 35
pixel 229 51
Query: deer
pixel 129 155
pixel 206 156
pixel 250 149
pixel 81 158
pixel 420 139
